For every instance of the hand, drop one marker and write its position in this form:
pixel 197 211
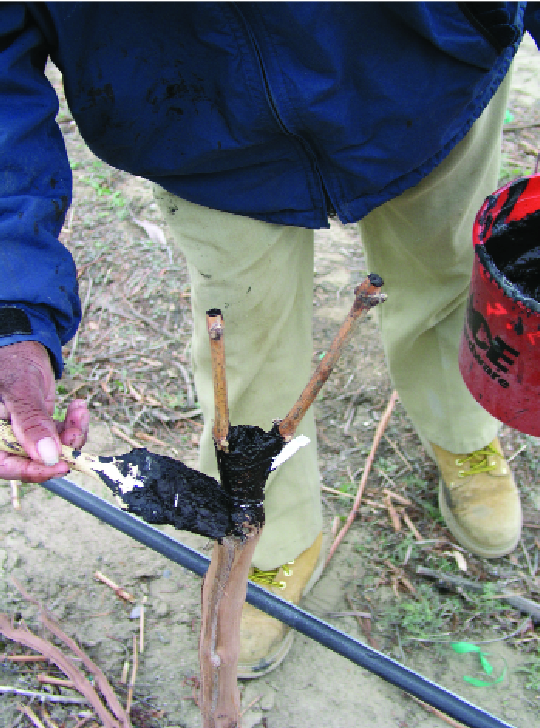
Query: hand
pixel 27 393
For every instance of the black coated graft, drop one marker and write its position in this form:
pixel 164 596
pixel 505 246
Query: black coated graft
pixel 244 470
pixel 171 493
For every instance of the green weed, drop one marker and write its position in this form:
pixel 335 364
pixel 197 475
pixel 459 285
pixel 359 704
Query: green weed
pixel 532 671
pixel 73 370
pixel 429 614
pixel 509 170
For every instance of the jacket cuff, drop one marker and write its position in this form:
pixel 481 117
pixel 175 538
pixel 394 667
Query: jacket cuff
pixel 21 323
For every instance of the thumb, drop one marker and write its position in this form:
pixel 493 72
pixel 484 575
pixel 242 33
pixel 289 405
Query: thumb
pixel 27 392
pixel 36 431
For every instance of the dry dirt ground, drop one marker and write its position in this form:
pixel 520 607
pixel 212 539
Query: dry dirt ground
pixel 131 362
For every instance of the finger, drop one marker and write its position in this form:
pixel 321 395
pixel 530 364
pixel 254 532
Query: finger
pixel 73 431
pixel 13 467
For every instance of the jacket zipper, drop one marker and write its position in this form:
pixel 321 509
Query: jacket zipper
pixel 328 204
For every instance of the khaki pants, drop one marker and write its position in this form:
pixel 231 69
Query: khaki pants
pixel 261 276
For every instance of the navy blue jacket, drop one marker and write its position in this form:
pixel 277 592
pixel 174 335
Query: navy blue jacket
pixel 279 111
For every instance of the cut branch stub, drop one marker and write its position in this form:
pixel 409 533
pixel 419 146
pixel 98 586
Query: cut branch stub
pixel 214 323
pixel 367 295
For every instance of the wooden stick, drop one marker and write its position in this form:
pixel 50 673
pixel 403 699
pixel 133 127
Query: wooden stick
pixel 120 593
pixel 437 712
pixel 47 718
pixel 366 296
pixel 27 710
pixel 134 667
pixel 141 627
pixel 522 604
pixel 418 536
pixel 356 505
pixel 214 323
pixel 44 679
pixel 394 515
pixel 15 502
pixel 35 695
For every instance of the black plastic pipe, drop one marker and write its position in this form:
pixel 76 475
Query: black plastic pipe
pixel 301 621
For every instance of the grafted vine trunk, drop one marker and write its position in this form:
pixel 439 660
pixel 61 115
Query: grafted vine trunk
pixel 244 456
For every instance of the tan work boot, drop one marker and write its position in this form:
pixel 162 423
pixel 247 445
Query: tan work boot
pixel 479 500
pixel 265 641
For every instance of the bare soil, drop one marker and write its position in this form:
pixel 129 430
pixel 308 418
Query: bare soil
pixel 131 363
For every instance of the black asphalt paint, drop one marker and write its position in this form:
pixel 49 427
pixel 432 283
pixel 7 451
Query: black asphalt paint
pixel 244 470
pixel 171 493
pixel 514 249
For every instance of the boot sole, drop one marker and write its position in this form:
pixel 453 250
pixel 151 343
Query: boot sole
pixel 249 672
pixel 464 539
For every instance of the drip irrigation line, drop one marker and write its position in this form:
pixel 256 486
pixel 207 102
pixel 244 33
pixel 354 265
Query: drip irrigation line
pixel 322 632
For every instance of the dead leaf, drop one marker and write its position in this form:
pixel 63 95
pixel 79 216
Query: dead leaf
pixel 154 232
pixel 460 560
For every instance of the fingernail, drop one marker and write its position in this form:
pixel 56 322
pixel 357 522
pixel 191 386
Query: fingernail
pixel 48 451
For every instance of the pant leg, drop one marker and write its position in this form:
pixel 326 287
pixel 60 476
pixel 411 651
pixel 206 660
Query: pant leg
pixel 421 244
pixel 261 277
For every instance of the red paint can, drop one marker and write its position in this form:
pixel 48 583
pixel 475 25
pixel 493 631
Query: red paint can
pixel 499 353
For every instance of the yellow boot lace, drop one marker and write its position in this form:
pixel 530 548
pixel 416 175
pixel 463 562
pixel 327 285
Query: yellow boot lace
pixel 268 578
pixel 478 461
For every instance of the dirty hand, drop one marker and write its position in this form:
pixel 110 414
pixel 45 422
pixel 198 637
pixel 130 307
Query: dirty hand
pixel 27 392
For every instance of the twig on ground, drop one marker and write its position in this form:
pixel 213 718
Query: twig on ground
pixel 26 658
pixel 44 679
pixel 527 557
pixel 121 593
pixel 82 684
pixel 122 435
pixel 48 697
pixel 416 533
pixel 334 491
pixel 398 452
pixel 25 637
pixel 396 496
pixel 356 505
pixel 520 603
pixel 515 454
pixel 517 127
pixel 47 718
pixel 394 516
pixel 141 627
pixel 150 438
pixel 27 710
pixel 133 677
pixel 15 502
pixel 365 501
pixel 437 712
pixel 400 576
pixel 364 622
pixel 386 477
pixel 255 700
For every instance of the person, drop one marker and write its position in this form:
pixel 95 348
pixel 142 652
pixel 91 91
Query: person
pixel 257 122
